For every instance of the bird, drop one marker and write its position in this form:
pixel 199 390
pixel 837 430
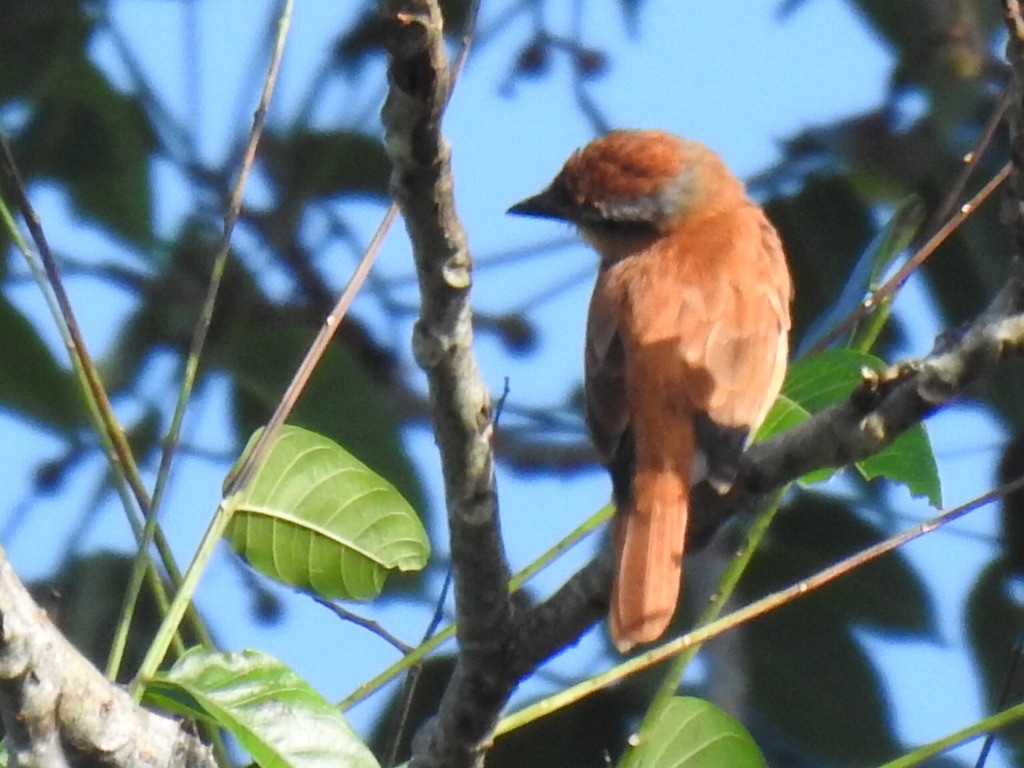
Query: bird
pixel 686 343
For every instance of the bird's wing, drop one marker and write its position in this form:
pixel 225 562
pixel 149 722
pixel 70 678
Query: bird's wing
pixel 604 378
pixel 733 325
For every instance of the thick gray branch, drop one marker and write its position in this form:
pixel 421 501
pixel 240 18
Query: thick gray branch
pixel 461 409
pixel 58 710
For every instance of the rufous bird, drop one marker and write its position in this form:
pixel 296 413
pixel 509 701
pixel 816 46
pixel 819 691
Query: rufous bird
pixel 686 347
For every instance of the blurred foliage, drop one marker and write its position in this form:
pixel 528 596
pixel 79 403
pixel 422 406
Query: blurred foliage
pixel 83 598
pixel 813 691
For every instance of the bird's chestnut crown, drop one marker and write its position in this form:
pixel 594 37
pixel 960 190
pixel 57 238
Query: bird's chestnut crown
pixel 632 180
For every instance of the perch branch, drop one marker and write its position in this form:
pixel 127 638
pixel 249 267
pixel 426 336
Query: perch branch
pixel 58 710
pixel 422 186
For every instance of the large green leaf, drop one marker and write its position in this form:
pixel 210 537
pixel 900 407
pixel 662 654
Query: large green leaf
pixel 276 715
pixel 693 733
pixel 32 383
pixel 343 401
pixel 821 380
pixel 317 518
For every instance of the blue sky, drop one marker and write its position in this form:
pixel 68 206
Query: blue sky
pixel 740 85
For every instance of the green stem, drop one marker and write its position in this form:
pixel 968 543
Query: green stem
pixel 119 472
pixel 169 626
pixel 989 724
pixel 417 654
pixel 198 342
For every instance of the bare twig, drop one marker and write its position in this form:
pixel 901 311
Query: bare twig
pixel 369 624
pixel 749 612
pixel 894 283
pixel 442 344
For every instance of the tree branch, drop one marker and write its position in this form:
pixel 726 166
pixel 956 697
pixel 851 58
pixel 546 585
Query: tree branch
pixel 499 645
pixel 461 409
pixel 58 710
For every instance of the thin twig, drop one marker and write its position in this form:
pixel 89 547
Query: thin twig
pixel 111 426
pixel 894 283
pixel 365 623
pixel 743 615
pixel 971 159
pixel 312 358
pixel 202 328
pixel 412 678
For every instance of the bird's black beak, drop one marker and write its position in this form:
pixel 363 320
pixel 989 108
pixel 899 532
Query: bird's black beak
pixel 545 205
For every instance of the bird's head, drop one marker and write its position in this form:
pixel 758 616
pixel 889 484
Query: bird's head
pixel 636 184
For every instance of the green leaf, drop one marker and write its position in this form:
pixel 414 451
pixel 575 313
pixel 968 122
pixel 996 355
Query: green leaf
pixel 317 518
pixel 821 380
pixel 344 400
pixel 694 733
pixel 276 716
pixel 32 383
pixel 824 379
pixel 785 414
pixel 909 460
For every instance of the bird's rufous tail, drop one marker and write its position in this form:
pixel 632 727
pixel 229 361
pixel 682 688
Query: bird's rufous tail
pixel 650 530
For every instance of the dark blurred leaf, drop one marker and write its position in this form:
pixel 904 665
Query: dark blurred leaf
pixel 937 42
pixel 1011 511
pixel 814 532
pixel 84 600
pixel 809 677
pixel 631 14
pixel 516 331
pixel 814 683
pixel 84 133
pixel 276 716
pixel 32 383
pixel 994 623
pixel 820 257
pixel 341 402
pixel 360 41
pixel 694 733
pixel 171 301
pixel 316 518
pixel 37 36
pixel 876 259
pixel 315 164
